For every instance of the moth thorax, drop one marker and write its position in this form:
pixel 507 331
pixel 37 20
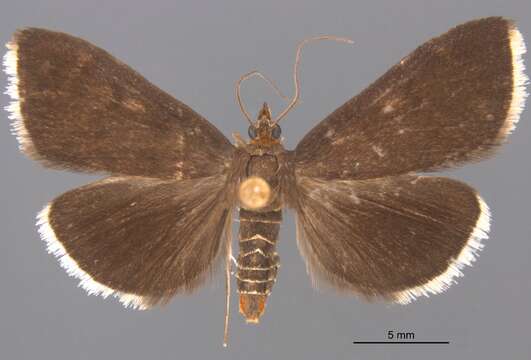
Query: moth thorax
pixel 254 193
pixel 252 306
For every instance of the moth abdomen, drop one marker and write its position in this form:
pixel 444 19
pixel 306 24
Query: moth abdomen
pixel 258 260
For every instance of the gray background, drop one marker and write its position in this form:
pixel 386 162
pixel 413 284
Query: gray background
pixel 196 51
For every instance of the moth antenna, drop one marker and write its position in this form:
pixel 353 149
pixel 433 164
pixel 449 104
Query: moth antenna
pixel 228 259
pixel 296 83
pixel 238 90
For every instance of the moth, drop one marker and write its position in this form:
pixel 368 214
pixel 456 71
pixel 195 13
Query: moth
pixel 367 223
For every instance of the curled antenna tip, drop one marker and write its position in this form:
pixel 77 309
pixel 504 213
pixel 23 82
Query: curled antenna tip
pixel 330 37
pixel 296 96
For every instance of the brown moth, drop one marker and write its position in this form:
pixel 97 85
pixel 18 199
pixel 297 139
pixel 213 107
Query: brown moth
pixel 367 224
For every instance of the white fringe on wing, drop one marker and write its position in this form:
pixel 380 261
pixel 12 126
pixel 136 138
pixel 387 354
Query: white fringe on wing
pixel 86 282
pixel 466 257
pixel 520 81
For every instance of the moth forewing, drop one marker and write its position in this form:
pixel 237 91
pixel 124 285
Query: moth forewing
pixel 455 99
pixel 108 118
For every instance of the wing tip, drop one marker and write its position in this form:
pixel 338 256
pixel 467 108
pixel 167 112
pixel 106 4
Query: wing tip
pixel 466 257
pixel 91 286
pixel 520 81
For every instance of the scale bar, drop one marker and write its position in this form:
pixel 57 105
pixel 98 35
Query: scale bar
pixel 400 342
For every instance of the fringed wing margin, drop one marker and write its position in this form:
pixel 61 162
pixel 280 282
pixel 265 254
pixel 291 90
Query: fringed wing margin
pixel 394 238
pixel 141 240
pixel 74 106
pixel 453 100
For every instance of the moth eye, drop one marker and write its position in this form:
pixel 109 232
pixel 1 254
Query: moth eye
pixel 252 132
pixel 275 133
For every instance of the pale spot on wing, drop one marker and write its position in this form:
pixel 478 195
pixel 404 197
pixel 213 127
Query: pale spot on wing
pixel 84 57
pixel 388 108
pixel 180 141
pixel 414 181
pixel 391 104
pixel 179 170
pixel 134 105
pixel 382 95
pixel 378 150
pixel 106 93
pixel 339 141
pixel 440 49
pixel 404 59
pixel 180 112
pixel 355 198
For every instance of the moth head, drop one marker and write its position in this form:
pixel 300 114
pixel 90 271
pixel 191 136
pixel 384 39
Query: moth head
pixel 264 131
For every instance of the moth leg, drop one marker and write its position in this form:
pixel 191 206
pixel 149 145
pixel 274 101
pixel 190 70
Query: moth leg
pixel 228 272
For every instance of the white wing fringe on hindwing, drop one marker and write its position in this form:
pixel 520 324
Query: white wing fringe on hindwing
pixel 54 246
pixel 436 285
pixel 466 257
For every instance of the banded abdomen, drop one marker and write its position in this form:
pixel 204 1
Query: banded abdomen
pixel 258 260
